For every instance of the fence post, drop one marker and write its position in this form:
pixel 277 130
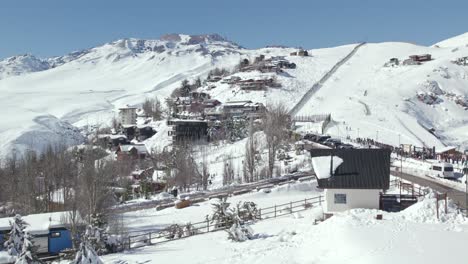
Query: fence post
pixel 150 238
pixel 275 210
pixel 129 242
pixel 207 225
pixel 260 213
pixel 290 205
pixel 320 200
pixel 305 203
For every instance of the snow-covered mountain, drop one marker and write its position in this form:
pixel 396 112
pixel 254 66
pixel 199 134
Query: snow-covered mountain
pixel 22 64
pixel 87 87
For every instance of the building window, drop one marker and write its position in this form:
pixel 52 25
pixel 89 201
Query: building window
pixel 55 234
pixel 340 198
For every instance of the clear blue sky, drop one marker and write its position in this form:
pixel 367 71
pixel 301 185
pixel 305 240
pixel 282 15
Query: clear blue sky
pixel 56 27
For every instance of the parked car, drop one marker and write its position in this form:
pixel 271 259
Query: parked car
pixel 322 139
pixel 332 142
pixel 345 146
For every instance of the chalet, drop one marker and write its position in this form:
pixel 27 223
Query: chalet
pixel 243 108
pixel 145 131
pixel 188 115
pixel 303 53
pixel 351 178
pixel 183 103
pixel 188 130
pixel 127 115
pixel 421 58
pixel 199 96
pixel 131 152
pixel 143 174
pixel 214 78
pixel 447 153
pixel 214 113
pixel 108 140
pixel 210 103
pixel 231 80
pixel 51 235
pixel 284 64
pixel 129 131
pixel 392 62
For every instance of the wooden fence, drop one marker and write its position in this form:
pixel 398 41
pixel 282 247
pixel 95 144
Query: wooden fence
pixel 176 232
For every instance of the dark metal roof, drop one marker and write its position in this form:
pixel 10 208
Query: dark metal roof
pixel 361 169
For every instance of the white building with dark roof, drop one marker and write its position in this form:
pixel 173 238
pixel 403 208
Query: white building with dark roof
pixel 351 178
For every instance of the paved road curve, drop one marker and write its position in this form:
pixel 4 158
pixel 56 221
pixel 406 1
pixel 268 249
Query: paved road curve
pixel 457 196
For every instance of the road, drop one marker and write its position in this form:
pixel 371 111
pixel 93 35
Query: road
pixel 457 196
pixel 268 183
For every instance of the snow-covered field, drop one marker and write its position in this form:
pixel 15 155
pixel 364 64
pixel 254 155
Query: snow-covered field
pixel 411 236
pixel 150 219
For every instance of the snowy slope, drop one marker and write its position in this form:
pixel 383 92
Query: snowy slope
pixel 370 100
pixel 414 235
pixel 457 41
pixel 87 87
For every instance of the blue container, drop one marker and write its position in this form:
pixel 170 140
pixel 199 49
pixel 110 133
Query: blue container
pixel 59 239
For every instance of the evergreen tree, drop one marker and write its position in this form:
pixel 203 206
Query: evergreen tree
pixel 28 253
pixel 14 244
pixel 96 235
pixel 86 253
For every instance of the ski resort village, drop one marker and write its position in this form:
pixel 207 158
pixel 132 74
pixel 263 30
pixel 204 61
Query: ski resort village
pixel 194 149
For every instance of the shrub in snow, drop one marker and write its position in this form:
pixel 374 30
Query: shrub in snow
pixel 247 211
pixel 175 231
pixel 221 216
pixel 14 244
pixel 28 252
pixel 240 232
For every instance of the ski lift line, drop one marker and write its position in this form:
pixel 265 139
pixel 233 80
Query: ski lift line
pixel 322 81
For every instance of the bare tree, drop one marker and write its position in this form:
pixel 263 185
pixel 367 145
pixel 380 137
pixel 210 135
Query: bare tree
pixel 152 108
pixel 203 168
pixel 250 163
pixel 276 124
pixel 228 170
pixel 96 178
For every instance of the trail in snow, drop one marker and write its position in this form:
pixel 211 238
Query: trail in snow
pixel 319 84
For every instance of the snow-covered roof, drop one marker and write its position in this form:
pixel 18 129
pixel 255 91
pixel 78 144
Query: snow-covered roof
pixel 445 149
pixel 38 223
pixel 360 169
pixel 141 148
pixel 237 103
pixel 323 165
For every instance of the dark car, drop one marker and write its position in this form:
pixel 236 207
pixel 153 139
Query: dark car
pixel 322 139
pixel 345 146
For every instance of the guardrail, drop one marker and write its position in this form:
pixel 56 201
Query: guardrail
pixel 176 232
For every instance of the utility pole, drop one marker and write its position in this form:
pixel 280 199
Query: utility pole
pixel 465 171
